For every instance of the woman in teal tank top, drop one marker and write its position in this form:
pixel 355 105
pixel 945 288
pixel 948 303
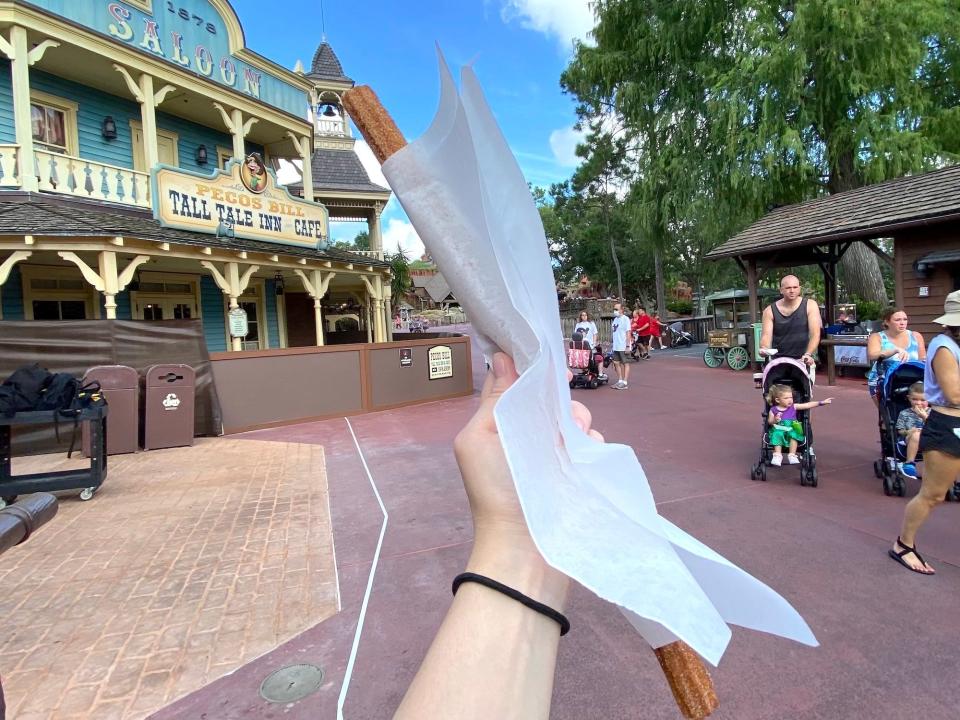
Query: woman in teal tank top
pixel 890 347
pixel 940 437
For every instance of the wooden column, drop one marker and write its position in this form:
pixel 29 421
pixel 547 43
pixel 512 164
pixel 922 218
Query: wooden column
pixel 21 57
pixel 373 225
pixel 316 286
pixel 143 92
pixel 232 284
pixel 752 289
pixel 238 129
pixel 304 150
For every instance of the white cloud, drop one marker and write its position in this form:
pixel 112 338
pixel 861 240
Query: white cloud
pixel 288 172
pixel 563 143
pixel 566 20
pixel 400 234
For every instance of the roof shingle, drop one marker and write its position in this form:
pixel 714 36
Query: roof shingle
pixel 326 65
pixel 339 170
pixel 867 212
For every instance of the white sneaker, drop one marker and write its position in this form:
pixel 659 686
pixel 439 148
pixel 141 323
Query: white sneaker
pixel 792 459
pixel 618 385
pixel 776 460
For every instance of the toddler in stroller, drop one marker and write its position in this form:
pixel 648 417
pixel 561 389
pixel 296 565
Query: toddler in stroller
pixel 903 409
pixel 788 397
pixel 585 362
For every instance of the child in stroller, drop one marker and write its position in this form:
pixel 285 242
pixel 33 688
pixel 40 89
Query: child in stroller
pixel 581 357
pixel 788 397
pixel 897 392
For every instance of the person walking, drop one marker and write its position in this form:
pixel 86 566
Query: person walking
pixel 640 325
pixel 940 437
pixel 890 347
pixel 656 332
pixel 620 332
pixel 791 325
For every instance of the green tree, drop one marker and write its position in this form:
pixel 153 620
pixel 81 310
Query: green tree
pixel 360 242
pixel 400 280
pixel 749 104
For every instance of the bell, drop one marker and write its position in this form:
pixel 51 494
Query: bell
pixel 328 111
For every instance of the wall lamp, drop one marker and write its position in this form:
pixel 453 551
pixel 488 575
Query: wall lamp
pixel 278 282
pixel 109 128
pixel 201 156
pixel 922 269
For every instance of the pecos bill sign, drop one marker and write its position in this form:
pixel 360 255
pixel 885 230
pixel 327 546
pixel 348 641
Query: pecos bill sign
pixel 242 201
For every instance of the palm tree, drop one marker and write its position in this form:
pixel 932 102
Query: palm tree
pixel 400 280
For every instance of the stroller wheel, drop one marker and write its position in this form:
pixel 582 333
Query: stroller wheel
pixel 594 384
pixel 573 384
pixel 755 472
pixel 899 486
pixel 763 473
pixel 878 469
pixel 888 488
pixel 812 478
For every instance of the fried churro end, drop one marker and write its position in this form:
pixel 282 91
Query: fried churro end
pixel 689 680
pixel 373 121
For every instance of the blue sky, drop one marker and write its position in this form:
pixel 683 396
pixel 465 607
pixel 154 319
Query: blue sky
pixel 518 48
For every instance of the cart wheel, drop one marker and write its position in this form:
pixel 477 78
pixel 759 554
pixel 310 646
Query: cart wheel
pixel 87 493
pixel 888 487
pixel 713 357
pixel 737 358
pixel 878 469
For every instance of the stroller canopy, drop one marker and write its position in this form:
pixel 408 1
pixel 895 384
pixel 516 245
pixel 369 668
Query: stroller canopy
pixel 788 371
pixel 902 376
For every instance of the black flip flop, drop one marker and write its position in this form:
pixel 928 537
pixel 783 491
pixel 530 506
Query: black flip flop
pixel 898 556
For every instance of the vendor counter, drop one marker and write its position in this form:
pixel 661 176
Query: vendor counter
pixel 267 388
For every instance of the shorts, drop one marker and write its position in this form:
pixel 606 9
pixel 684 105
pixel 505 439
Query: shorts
pixel 620 356
pixel 644 339
pixel 940 433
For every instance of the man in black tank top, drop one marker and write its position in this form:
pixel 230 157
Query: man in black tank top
pixel 791 325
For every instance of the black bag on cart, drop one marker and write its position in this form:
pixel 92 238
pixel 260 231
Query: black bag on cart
pixel 23 389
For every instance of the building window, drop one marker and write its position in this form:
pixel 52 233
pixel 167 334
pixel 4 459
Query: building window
pixel 252 340
pixel 59 310
pixel 54 123
pixel 224 156
pixel 162 296
pixel 57 293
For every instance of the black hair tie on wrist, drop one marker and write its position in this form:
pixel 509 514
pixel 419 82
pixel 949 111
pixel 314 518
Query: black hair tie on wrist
pixel 516 595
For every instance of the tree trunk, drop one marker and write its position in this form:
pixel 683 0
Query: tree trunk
pixel 860 267
pixel 658 269
pixel 613 254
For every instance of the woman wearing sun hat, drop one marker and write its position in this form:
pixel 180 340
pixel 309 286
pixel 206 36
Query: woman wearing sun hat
pixel 940 437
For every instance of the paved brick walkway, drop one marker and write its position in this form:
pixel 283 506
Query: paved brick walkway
pixel 188 563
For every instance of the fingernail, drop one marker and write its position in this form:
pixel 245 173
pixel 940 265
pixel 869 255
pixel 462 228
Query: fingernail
pixel 499 365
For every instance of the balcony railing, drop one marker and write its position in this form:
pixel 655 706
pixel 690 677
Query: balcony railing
pixel 89 179
pixel 9 166
pixel 375 254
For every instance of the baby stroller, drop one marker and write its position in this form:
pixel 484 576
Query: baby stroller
pixel 678 336
pixel 585 363
pixel 892 398
pixel 788 371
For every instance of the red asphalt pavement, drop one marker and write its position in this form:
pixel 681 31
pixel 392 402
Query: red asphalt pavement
pixel 890 639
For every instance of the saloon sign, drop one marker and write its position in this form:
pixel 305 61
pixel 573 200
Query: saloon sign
pixel 242 201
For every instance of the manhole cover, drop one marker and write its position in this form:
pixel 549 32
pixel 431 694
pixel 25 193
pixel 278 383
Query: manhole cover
pixel 291 683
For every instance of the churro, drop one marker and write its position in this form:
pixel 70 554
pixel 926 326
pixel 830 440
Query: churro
pixel 373 121
pixel 689 680
pixel 688 677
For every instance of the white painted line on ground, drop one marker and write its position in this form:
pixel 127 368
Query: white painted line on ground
pixel 366 595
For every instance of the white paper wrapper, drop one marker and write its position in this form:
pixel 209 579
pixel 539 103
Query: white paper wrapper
pixel 588 505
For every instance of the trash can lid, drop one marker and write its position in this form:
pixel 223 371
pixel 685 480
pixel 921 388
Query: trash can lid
pixel 113 377
pixel 169 375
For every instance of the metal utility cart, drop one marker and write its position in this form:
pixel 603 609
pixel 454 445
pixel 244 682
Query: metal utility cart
pixel 734 338
pixel 87 480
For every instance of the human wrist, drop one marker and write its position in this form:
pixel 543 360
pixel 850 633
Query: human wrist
pixel 510 556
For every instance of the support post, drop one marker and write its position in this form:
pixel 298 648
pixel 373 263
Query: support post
pixel 302 144
pixel 373 226
pixel 238 129
pixel 754 304
pixel 232 284
pixel 16 50
pixel 316 286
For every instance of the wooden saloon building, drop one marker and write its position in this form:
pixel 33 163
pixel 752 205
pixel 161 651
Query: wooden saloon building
pixel 137 141
pixel 920 213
